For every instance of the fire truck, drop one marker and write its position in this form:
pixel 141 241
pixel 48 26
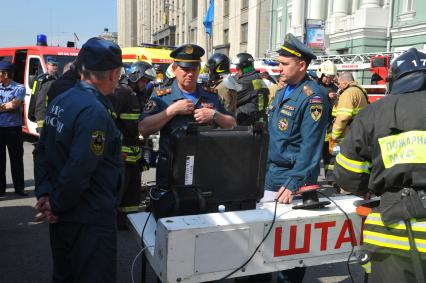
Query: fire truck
pixel 30 61
pixel 157 55
pixel 369 69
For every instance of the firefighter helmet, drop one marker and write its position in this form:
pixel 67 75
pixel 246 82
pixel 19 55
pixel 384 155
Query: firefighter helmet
pixel 244 62
pixel 139 70
pixel 218 65
pixel 408 72
pixel 327 68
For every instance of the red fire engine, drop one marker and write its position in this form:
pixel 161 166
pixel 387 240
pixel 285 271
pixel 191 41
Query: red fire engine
pixel 30 61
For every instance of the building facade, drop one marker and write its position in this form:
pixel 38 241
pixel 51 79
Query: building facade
pixel 174 22
pixel 353 26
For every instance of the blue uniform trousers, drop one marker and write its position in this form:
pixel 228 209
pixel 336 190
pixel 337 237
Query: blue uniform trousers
pixel 11 137
pixel 83 253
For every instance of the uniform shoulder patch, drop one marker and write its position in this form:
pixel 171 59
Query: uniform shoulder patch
pixel 162 92
pixel 307 90
pixel 97 142
pixel 149 106
pixel 316 111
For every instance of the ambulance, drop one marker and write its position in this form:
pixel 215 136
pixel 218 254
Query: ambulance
pixel 30 61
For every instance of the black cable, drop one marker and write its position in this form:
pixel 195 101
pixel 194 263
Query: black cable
pixel 261 242
pixel 257 248
pixel 143 247
pixel 351 233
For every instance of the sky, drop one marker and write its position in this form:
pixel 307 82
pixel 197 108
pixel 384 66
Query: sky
pixel 23 20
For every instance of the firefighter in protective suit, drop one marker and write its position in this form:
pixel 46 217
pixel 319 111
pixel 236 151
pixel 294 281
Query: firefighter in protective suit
pixel 128 101
pixel 350 101
pixel 325 76
pixel 218 69
pixel 252 96
pixel 384 153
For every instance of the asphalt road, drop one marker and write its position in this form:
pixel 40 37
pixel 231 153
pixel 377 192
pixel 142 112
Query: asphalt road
pixel 25 255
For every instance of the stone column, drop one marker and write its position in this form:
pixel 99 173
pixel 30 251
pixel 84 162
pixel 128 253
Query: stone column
pixel 340 8
pixel 370 4
pixel 296 14
pixel 316 9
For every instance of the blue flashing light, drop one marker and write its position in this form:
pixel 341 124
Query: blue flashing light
pixel 41 40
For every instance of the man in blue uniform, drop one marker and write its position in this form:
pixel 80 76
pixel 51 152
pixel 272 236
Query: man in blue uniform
pixel 11 97
pixel 78 170
pixel 297 122
pixel 183 102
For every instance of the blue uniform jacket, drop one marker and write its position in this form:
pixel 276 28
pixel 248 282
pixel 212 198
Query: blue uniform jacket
pixel 158 102
pixel 78 159
pixel 12 118
pixel 296 133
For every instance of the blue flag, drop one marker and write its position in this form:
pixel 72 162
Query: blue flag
pixel 208 18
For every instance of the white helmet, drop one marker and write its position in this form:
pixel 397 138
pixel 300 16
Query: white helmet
pixel 327 68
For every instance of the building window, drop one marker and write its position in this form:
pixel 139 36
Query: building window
pixel 244 32
pixel 244 4
pixel 279 26
pixel 225 36
pixel 226 8
pixel 194 9
pixel 193 35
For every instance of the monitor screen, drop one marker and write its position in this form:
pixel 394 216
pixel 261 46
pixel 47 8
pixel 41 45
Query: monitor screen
pixel 228 166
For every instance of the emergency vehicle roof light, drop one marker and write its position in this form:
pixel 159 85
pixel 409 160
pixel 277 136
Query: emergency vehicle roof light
pixel 41 40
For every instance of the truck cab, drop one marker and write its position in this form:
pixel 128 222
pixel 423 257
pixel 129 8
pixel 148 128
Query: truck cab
pixel 30 61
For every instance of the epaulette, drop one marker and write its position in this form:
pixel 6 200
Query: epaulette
pixel 307 90
pixel 164 91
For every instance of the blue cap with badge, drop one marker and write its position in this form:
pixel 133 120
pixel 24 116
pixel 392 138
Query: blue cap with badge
pixel 187 55
pixel 293 47
pixel 6 66
pixel 99 54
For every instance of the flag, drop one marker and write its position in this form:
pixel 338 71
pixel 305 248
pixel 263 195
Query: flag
pixel 208 18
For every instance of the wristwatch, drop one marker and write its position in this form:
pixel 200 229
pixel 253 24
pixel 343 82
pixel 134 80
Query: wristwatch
pixel 215 115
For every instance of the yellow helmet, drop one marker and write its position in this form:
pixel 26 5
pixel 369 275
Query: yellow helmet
pixel 327 68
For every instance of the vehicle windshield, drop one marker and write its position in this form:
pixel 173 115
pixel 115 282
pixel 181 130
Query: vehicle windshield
pixel 61 59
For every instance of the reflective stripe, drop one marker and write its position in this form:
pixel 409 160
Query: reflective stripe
pixel 335 134
pixel 34 88
pixel 418 226
pixel 367 267
pixel 345 111
pixel 420 245
pixel 384 240
pixel 329 167
pixel 40 123
pixel 129 116
pixel 128 208
pixel 353 165
pixel 404 148
pixel 376 219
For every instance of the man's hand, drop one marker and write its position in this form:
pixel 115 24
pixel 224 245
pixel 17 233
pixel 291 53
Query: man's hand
pixel 45 211
pixel 331 144
pixel 204 115
pixel 43 204
pixel 181 107
pixel 284 195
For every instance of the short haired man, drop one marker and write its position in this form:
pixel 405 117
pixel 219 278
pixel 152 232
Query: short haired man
pixel 78 170
pixel 12 95
pixel 297 122
pixel 183 102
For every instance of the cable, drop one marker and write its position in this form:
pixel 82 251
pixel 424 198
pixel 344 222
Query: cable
pixel 261 242
pixel 134 261
pixel 351 233
pixel 142 246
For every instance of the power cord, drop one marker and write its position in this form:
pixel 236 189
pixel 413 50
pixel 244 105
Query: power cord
pixel 142 248
pixel 134 261
pixel 351 233
pixel 263 240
